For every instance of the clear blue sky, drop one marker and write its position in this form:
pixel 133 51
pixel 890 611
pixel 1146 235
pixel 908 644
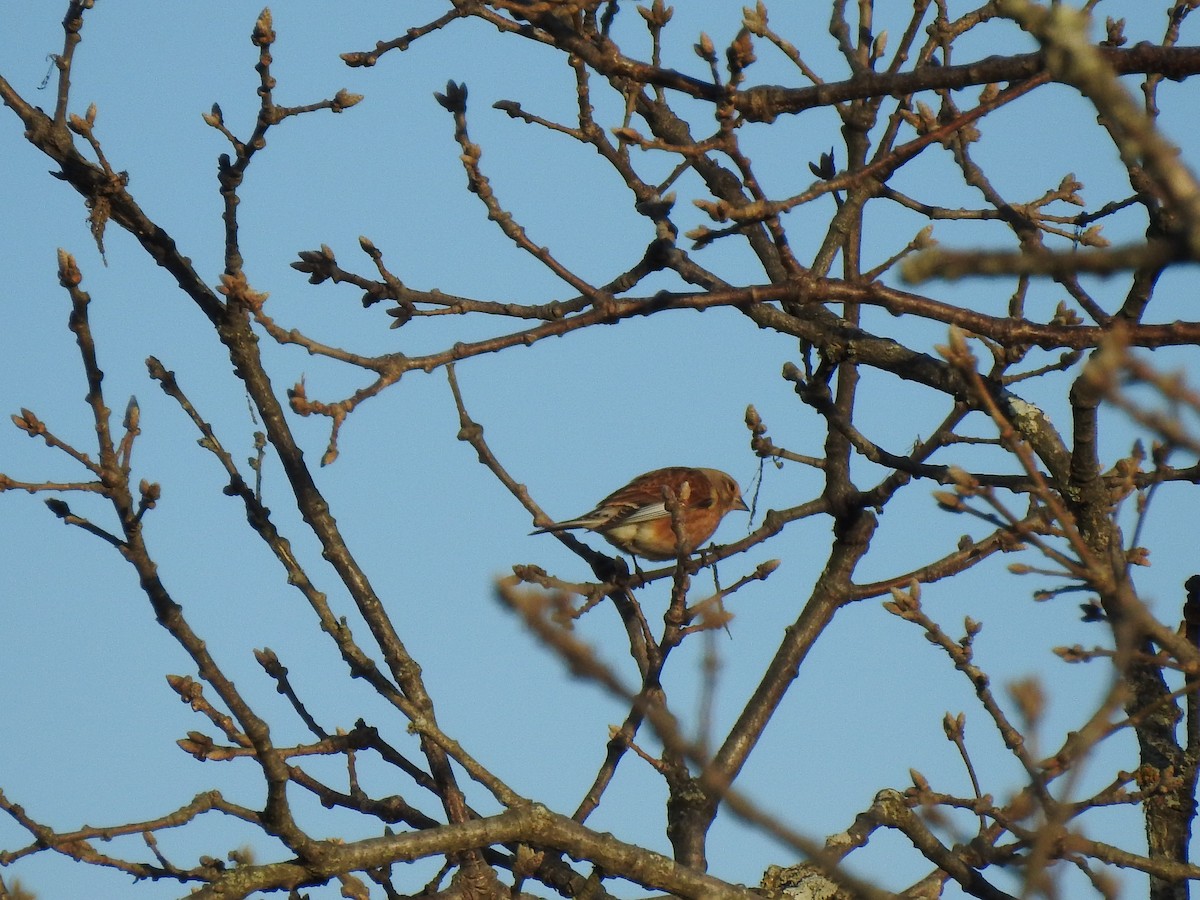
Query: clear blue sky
pixel 90 724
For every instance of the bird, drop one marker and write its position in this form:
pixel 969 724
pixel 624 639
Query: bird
pixel 635 518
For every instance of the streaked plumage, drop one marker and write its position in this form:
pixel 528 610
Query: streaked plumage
pixel 635 518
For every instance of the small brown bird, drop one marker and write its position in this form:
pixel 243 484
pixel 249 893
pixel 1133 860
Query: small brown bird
pixel 635 518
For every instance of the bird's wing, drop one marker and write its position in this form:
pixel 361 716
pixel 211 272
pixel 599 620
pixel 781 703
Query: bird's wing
pixel 605 518
pixel 645 513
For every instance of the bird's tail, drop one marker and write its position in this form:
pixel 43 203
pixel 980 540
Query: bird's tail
pixel 568 525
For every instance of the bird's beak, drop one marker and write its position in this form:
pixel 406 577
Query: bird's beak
pixel 741 504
